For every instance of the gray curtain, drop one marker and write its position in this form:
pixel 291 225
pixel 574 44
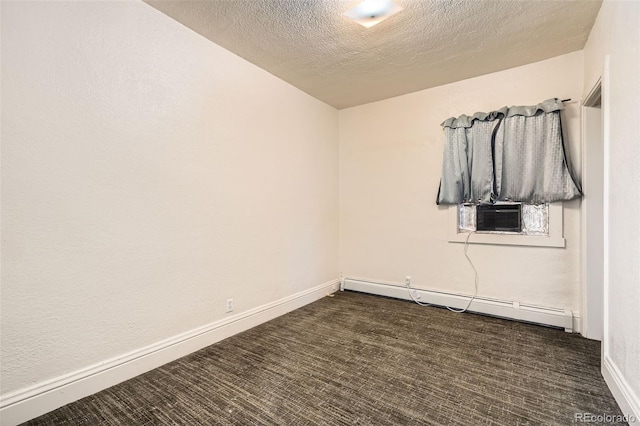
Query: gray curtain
pixel 513 154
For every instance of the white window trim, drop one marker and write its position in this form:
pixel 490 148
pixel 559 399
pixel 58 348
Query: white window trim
pixel 554 239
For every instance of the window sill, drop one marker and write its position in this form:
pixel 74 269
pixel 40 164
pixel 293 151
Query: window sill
pixel 554 239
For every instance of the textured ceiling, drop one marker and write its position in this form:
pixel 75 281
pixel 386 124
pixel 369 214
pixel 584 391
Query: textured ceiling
pixel 310 44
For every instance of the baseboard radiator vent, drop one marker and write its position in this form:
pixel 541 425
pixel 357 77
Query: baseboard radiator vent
pixel 552 317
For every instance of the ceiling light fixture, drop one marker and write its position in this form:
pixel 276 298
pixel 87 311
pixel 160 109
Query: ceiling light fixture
pixel 371 12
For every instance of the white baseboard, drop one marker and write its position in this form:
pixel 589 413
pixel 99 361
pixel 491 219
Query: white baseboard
pixel 577 322
pixel 512 310
pixel 625 396
pixel 31 402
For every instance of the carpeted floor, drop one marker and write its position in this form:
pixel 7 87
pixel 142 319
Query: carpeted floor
pixel 365 360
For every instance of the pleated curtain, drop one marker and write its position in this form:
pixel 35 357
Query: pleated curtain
pixel 512 154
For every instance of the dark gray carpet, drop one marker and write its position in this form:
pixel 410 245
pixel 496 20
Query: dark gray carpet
pixel 367 360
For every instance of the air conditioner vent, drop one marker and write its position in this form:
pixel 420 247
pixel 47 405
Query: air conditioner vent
pixel 499 217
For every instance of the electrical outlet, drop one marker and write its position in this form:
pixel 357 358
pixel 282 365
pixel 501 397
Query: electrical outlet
pixel 229 305
pixel 407 280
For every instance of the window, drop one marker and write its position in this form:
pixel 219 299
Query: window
pixel 541 225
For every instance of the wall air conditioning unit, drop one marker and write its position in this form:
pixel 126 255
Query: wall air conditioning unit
pixel 499 218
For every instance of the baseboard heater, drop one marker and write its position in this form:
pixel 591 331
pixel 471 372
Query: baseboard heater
pixel 551 317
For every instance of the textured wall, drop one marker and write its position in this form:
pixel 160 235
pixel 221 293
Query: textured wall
pixel 147 175
pixel 617 33
pixel 390 167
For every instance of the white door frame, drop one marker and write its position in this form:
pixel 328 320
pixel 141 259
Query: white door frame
pixel 592 257
pixel 595 211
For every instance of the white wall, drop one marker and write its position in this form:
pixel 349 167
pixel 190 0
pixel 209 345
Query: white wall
pixel 390 167
pixel 148 175
pixel 616 33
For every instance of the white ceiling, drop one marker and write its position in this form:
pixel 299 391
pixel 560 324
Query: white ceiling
pixel 310 44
